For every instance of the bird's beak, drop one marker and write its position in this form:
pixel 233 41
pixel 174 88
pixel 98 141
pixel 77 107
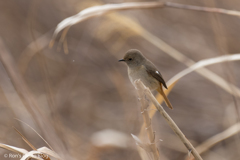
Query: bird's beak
pixel 121 60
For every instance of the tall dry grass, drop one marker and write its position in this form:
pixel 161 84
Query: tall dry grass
pixel 70 99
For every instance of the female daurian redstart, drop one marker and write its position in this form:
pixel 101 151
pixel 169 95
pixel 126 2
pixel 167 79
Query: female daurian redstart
pixel 141 68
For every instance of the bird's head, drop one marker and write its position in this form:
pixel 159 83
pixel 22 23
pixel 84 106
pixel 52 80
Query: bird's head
pixel 133 58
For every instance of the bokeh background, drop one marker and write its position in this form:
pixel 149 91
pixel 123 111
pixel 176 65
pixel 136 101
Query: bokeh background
pixel 86 97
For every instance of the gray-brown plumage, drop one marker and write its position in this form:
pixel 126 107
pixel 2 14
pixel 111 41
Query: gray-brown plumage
pixel 141 68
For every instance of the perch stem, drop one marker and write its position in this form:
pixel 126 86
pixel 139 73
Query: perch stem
pixel 140 86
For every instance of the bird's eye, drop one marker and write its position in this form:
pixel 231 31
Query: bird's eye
pixel 130 59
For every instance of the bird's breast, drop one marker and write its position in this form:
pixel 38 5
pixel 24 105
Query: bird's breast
pixel 141 73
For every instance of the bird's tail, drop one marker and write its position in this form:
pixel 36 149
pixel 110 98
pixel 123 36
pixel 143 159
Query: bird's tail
pixel 160 90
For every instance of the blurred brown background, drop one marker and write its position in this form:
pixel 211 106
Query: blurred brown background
pixel 88 91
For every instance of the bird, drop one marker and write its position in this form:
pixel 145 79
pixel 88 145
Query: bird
pixel 139 67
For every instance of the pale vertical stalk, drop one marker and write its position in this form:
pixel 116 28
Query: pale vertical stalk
pixel 146 92
pixel 30 102
pixel 148 124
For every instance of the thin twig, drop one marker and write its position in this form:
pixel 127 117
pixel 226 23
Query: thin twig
pixel 169 120
pixel 148 124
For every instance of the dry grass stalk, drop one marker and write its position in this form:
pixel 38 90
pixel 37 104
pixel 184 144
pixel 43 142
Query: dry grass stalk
pixel 148 123
pixel 36 133
pixel 103 9
pixel 152 108
pixel 25 139
pixel 39 154
pixel 206 62
pixel 42 153
pixel 13 149
pixel 97 11
pixel 29 101
pixel 32 49
pixel 203 9
pixel 172 124
pixel 14 101
pixel 206 145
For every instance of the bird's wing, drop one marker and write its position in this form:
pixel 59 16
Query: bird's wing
pixel 152 71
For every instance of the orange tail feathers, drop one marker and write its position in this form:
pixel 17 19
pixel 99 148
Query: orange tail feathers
pixel 160 90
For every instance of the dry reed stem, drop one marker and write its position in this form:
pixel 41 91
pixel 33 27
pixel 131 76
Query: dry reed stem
pixel 35 132
pixel 42 153
pixel 25 139
pixel 169 120
pixel 210 142
pixel 14 101
pixel 31 50
pixel 99 10
pixel 203 9
pixel 148 123
pixel 207 62
pixel 152 108
pixel 13 149
pixel 29 101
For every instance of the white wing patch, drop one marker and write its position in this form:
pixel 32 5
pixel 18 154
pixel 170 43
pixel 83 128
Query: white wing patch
pixel 157 72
